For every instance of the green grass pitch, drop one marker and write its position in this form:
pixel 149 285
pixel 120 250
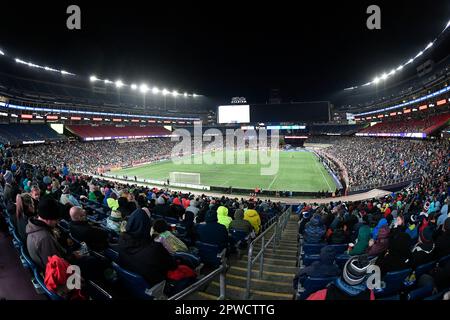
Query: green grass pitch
pixel 298 171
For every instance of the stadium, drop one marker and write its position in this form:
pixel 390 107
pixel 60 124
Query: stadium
pixel 173 170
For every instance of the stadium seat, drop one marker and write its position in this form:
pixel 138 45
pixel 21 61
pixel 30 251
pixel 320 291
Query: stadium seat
pixel 424 268
pixel 312 248
pixel 312 285
pixel 188 259
pixel 394 282
pixel 137 286
pixel 111 254
pixel 437 296
pixel 308 259
pixel 420 293
pixel 342 259
pixel 444 260
pixel 39 284
pixel 339 248
pixel 209 253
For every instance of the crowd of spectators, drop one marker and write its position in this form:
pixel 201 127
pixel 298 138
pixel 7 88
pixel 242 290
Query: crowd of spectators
pixel 399 231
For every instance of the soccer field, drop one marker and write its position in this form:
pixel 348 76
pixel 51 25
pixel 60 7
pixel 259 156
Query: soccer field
pixel 298 171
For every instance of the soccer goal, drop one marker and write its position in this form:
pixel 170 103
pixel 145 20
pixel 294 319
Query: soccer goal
pixel 184 177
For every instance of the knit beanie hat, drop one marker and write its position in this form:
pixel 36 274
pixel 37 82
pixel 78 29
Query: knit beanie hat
pixel 49 209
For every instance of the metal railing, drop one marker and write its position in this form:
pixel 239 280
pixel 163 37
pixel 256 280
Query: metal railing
pixel 221 270
pixel 266 240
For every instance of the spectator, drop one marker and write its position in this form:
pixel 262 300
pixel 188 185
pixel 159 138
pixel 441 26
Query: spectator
pixel 314 230
pixel 222 216
pixel 398 256
pixel 325 267
pixel 381 244
pixel 239 223
pixel 25 209
pixel 114 221
pixel 160 233
pixel 351 285
pixel 41 241
pixel 423 251
pixel 362 243
pixel 67 198
pixel 443 241
pixel 112 201
pixel 212 232
pixel 252 216
pixel 139 254
pixel 95 238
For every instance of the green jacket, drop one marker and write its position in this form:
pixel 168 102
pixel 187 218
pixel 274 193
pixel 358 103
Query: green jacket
pixel 363 241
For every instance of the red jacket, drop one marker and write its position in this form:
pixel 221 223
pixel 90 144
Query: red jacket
pixel 322 295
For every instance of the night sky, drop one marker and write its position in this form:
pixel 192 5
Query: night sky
pixel 309 51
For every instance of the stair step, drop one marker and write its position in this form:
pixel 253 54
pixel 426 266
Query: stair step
pixel 267 275
pixel 260 284
pixel 269 266
pixel 272 260
pixel 199 295
pixel 279 256
pixel 237 293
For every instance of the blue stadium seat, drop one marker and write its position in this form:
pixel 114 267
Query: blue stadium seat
pixel 339 248
pixel 444 260
pixel 64 225
pixel 40 286
pixel 312 285
pixel 137 286
pixel 342 259
pixel 313 248
pixel 188 259
pixel 394 283
pixel 420 293
pixel 111 254
pixel 209 253
pixel 437 296
pixel 308 259
pixel 424 268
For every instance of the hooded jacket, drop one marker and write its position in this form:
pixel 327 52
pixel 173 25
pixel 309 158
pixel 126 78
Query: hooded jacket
pixel 239 223
pixel 314 230
pixel 212 232
pixel 41 243
pixel 139 254
pixel 381 223
pixel 252 216
pixel 398 256
pixel 323 268
pixel 382 242
pixel 222 216
pixel 362 242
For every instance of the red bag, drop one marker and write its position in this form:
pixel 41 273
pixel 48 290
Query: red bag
pixel 181 272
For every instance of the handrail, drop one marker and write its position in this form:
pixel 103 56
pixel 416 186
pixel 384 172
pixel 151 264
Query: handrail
pixel 206 279
pixel 279 225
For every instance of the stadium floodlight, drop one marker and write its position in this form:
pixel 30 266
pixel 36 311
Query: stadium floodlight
pixel 391 72
pixel 448 25
pixel 410 61
pixel 155 90
pixel 119 84
pixel 194 95
pixel 143 88
pixel 19 61
pixel 93 78
pixel 399 68
pixel 384 76
pixel 64 72
pixel 2 53
pixel 429 45
pixel 107 81
pixel 185 94
pixel 376 80
pixel 419 54
pixel 165 92
pixel 175 93
pixel 134 86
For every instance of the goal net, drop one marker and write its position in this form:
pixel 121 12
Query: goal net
pixel 184 177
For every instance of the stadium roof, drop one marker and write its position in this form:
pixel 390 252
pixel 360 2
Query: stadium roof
pixel 308 53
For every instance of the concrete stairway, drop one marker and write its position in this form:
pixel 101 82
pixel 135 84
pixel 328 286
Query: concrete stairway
pixel 279 271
